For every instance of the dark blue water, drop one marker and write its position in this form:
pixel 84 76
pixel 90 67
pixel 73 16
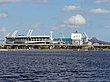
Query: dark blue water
pixel 54 66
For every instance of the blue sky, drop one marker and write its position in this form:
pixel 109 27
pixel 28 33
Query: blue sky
pixel 59 16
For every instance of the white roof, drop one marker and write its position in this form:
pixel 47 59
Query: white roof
pixel 27 36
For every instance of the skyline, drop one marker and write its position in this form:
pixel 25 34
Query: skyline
pixel 43 16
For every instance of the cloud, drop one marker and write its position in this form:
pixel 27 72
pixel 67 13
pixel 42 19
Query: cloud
pixel 70 8
pixel 98 1
pixel 14 1
pixel 3 15
pixel 3 32
pixel 101 1
pixel 75 21
pixel 99 11
pixel 2 29
pixel 107 26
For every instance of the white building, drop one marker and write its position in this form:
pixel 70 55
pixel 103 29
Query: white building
pixel 78 38
pixel 28 39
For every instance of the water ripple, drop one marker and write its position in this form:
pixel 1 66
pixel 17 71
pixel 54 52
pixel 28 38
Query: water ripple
pixel 44 66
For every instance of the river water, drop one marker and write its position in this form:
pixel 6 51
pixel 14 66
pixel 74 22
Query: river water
pixel 54 66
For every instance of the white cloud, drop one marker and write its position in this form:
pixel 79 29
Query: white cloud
pixel 98 1
pixel 99 11
pixel 101 1
pixel 3 32
pixel 3 15
pixel 2 29
pixel 107 26
pixel 75 21
pixel 70 8
pixel 13 1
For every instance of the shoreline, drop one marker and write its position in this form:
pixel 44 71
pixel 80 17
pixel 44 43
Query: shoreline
pixel 52 50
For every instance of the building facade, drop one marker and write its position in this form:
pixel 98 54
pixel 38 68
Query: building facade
pixel 28 39
pixel 79 38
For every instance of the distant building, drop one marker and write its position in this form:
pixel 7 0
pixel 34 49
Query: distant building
pixel 64 40
pixel 28 39
pixel 79 38
pixel 15 39
pixel 76 38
